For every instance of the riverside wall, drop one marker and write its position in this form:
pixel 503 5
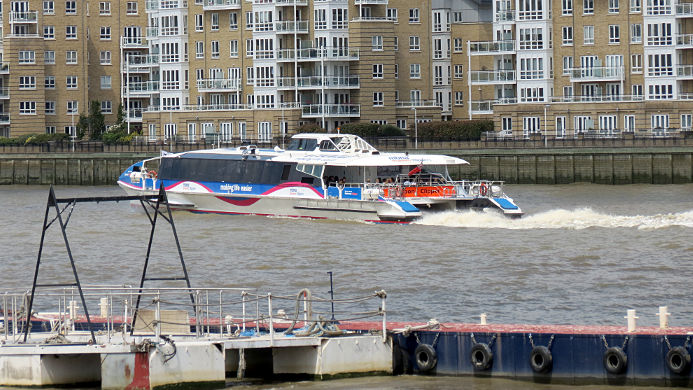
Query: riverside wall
pixel 672 165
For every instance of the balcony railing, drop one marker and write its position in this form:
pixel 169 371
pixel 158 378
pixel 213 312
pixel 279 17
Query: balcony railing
pixel 684 72
pixel 658 9
pixel 492 76
pixel 684 10
pixel 211 5
pixel 133 42
pixel 142 87
pixel 491 47
pixel 597 73
pixel 218 85
pixel 290 3
pixel 505 16
pixel 597 99
pixel 383 19
pixel 317 54
pixel 165 4
pixel 4 93
pixel 319 81
pixel 24 17
pixel 417 104
pixel 331 110
pixel 4 118
pixel 291 26
pixel 684 41
pixel 370 2
pixel 145 60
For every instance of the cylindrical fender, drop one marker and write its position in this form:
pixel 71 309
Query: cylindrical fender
pixel 481 356
pixel 426 357
pixel 540 359
pixel 615 360
pixel 678 360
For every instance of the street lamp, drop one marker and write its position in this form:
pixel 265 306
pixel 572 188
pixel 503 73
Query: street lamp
pixel 416 130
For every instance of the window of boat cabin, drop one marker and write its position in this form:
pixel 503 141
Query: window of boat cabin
pixel 327 145
pixel 303 144
pixel 286 171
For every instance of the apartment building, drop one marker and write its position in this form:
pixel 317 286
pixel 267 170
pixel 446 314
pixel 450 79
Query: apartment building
pixel 257 69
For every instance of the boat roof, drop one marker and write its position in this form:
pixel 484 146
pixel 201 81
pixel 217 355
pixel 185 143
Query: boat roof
pixel 351 150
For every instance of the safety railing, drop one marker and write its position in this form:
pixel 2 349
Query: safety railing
pixel 125 311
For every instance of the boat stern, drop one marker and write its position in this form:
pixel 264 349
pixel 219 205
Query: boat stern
pixel 507 206
pixel 399 211
pixel 136 179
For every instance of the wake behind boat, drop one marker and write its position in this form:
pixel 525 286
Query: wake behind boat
pixel 335 176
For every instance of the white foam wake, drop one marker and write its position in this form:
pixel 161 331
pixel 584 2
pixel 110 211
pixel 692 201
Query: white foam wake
pixel 581 218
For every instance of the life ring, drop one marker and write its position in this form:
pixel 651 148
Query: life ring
pixel 426 357
pixel 615 360
pixel 678 360
pixel 540 359
pixel 481 356
pixel 483 190
pixel 399 191
pixel 152 173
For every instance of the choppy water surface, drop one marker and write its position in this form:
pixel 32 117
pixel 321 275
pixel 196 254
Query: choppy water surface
pixel 582 254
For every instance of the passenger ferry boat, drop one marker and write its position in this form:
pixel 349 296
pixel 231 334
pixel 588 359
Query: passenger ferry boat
pixel 336 176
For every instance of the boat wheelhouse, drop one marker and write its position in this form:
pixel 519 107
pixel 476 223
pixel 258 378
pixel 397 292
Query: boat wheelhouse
pixel 337 176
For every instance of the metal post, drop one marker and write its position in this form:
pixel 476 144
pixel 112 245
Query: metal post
pixel 382 305
pixel 331 294
pixel 157 328
pixel 243 294
pixel 271 319
pixel 322 83
pixel 416 129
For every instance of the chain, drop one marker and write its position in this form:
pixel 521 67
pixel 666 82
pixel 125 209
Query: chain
pixel 625 343
pixel 550 342
pixel 490 344
pixel 531 341
pixel 685 344
pixel 435 340
pixel 417 338
pixel 473 339
pixel 606 345
pixel 666 340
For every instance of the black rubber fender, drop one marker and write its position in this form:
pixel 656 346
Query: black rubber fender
pixel 540 359
pixel 481 356
pixel 615 360
pixel 678 360
pixel 426 357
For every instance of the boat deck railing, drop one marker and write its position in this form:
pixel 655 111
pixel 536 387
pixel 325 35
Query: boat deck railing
pixel 195 312
pixel 406 187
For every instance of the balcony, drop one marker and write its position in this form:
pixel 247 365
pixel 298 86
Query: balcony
pixel 154 5
pixel 134 115
pixel 291 3
pixel 4 118
pixel 291 26
pixel 218 85
pixel 331 110
pixel 142 88
pixel 313 54
pixel 684 72
pixel 505 16
pixel 5 68
pixel 318 82
pixel 684 41
pixel 142 63
pixel 491 48
pixel 492 77
pixel 380 19
pixel 417 104
pixel 597 99
pixel 24 17
pixel 370 2
pixel 596 73
pixel 218 5
pixel 4 93
pixel 133 43
pixel 684 10
pixel 203 107
pixel 658 9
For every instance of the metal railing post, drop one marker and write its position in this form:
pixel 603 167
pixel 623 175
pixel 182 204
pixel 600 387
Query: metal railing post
pixel 157 328
pixel 382 299
pixel 271 322
pixel 243 294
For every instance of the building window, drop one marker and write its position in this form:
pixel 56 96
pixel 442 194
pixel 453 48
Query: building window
pixel 104 8
pixel 567 36
pixel 686 121
pixel 458 45
pixel 264 131
pixel 70 32
pixel 567 7
pixel 568 92
pixel 27 108
pixel 106 107
pixel 377 71
pixel 659 121
pixel 459 98
pixel 250 75
pixel 415 96
pixel 50 129
pixel 396 44
pixel 636 63
pixel 567 64
pixel 635 6
pixel 588 35
pixel 414 43
pixel 50 108
pixel 636 90
pixel 531 38
pixel 414 71
pixel 249 20
pixel 392 14
pixel 199 49
pixel 614 34
pixel 402 123
pixel 414 15
pixel 71 7
pixel 378 99
pixel 49 82
pixel 629 123
pixel 396 72
pixel 532 94
pixel 613 6
pixel 105 82
pixel 233 21
pixel 71 82
pixel 27 82
pixel 530 125
pixel 215 49
pixel 27 57
pixel 215 22
pixel 660 65
pixel 105 33
pixel 199 23
pixel 377 42
pixel 459 71
pixel 249 47
pixel 48 7
pixel 636 33
pixel 233 48
pixel 132 8
pixel 48 32
pixel 659 34
pixel 660 91
pixel 105 57
pixel 70 57
pixel 340 18
pixel 588 7
pixel 49 57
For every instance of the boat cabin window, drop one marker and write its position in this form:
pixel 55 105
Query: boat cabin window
pixel 136 168
pixel 286 171
pixel 307 144
pixel 327 145
pixel 312 170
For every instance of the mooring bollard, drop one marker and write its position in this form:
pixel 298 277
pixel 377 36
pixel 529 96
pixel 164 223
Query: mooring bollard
pixel 482 318
pixel 663 317
pixel 631 320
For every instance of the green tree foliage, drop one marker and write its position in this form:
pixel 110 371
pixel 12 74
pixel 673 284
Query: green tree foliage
pixel 371 130
pixel 92 125
pixel 454 130
pixel 310 128
pixel 34 139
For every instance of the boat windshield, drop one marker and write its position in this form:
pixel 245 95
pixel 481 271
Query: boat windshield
pixel 307 144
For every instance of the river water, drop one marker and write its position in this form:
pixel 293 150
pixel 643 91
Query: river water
pixel 582 254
